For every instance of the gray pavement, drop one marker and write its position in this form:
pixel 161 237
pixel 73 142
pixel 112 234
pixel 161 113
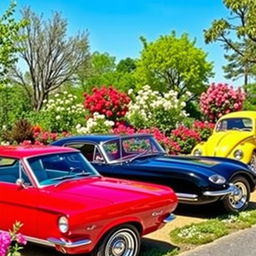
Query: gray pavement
pixel 241 243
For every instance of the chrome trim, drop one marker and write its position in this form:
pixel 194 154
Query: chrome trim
pixel 187 197
pixel 169 218
pixel 38 241
pixel 231 190
pixel 67 244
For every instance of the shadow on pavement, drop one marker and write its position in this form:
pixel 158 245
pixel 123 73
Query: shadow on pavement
pixel 36 250
pixel 151 247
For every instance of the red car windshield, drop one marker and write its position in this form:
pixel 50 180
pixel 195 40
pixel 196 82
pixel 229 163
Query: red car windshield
pixel 53 168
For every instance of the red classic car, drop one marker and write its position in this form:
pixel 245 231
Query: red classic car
pixel 63 202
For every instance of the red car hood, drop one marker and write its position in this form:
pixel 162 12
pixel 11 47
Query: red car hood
pixel 101 192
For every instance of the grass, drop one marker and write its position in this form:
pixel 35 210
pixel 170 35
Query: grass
pixel 195 234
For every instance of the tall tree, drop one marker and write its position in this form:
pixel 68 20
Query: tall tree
pixel 9 36
pixel 51 58
pixel 237 33
pixel 173 63
pixel 103 70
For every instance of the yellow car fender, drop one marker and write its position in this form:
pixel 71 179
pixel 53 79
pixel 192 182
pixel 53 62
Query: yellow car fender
pixel 247 149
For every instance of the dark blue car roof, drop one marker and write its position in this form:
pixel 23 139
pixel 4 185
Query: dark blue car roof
pixel 94 138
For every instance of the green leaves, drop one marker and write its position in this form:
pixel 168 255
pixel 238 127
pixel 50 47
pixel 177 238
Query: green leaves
pixel 9 29
pixel 173 63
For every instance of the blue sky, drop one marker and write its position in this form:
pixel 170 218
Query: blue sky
pixel 115 26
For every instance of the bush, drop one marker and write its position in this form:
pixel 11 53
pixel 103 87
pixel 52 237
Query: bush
pixel 21 130
pixel 221 99
pixel 204 129
pixel 168 144
pixel 107 101
pixel 96 124
pixel 11 242
pixel 61 113
pixel 151 109
pixel 186 138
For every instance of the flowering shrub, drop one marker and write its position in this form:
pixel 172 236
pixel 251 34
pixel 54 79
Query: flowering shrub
pixel 41 137
pixel 123 129
pixel 150 109
pixel 96 124
pixel 204 129
pixel 107 101
pixel 186 138
pixel 170 146
pixel 62 113
pixel 11 242
pixel 221 99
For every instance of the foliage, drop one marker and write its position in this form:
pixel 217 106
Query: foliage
pixel 186 138
pixel 172 63
pixel 250 101
pixel 209 230
pixel 9 36
pixel 21 130
pixel 14 104
pixel 237 34
pixel 62 113
pixel 107 101
pixel 199 233
pixel 96 124
pixel 103 70
pixel 150 109
pixel 11 242
pixel 221 99
pixel 167 143
pixel 204 129
pixel 50 57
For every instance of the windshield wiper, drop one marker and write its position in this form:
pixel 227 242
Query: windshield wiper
pixel 146 154
pixel 67 177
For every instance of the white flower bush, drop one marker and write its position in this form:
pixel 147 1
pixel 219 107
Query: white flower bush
pixel 62 112
pixel 151 109
pixel 96 124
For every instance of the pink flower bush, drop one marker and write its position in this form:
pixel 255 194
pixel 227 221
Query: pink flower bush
pixel 221 99
pixel 10 242
pixel 108 101
pixel 186 138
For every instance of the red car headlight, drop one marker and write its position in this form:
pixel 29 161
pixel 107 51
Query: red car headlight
pixel 63 224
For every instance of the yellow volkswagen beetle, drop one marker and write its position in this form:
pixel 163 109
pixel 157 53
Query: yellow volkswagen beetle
pixel 234 136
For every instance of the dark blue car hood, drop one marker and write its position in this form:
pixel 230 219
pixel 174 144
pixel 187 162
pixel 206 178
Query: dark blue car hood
pixel 203 166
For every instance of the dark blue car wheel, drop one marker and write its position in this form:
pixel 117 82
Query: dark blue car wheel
pixel 239 201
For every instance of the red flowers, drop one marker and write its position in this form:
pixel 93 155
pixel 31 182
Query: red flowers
pixel 186 138
pixel 221 99
pixel 107 101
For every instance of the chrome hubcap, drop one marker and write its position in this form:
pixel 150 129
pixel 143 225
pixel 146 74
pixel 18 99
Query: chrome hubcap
pixel 118 248
pixel 122 243
pixel 239 198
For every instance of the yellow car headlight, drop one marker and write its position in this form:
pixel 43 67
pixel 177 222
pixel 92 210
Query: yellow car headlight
pixel 238 154
pixel 197 152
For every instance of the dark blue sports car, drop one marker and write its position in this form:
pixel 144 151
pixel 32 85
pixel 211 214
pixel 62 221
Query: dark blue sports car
pixel 196 180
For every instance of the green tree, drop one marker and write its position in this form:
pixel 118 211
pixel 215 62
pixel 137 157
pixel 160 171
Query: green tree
pixel 237 34
pixel 50 57
pixel 173 63
pixel 103 70
pixel 9 36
